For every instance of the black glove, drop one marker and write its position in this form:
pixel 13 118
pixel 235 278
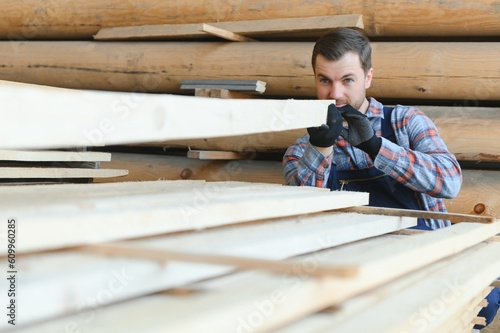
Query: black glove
pixel 360 133
pixel 326 134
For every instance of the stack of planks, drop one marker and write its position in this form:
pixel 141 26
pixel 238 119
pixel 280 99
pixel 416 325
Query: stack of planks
pixel 195 256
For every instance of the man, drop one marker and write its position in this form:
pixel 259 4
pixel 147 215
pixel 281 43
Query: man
pixel 395 154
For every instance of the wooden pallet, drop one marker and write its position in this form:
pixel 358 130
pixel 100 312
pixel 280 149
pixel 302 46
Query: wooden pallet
pixel 259 257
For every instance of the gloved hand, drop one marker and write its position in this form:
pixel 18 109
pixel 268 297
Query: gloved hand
pixel 360 133
pixel 326 134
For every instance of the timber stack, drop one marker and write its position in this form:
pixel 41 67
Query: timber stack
pixel 188 227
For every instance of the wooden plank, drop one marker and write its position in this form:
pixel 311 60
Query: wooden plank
pixel 453 218
pixel 402 67
pixel 92 122
pixel 55 276
pixel 38 173
pixel 223 33
pixel 51 156
pixel 125 216
pixel 302 26
pixel 217 155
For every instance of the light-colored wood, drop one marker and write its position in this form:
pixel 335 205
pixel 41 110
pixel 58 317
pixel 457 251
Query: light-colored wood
pixel 283 299
pixel 226 34
pixel 467 71
pixel 479 195
pixel 81 19
pixel 300 26
pixel 54 156
pixel 496 284
pixel 284 267
pixel 222 93
pixel 130 216
pixel 453 218
pixel 19 173
pixel 217 155
pixel 479 321
pixel 92 122
pixel 55 276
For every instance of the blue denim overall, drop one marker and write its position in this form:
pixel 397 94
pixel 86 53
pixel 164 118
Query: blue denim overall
pixel 384 190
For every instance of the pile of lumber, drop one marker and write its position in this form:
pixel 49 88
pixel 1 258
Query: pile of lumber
pixel 188 256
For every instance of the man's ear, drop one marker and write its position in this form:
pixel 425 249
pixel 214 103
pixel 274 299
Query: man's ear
pixel 368 78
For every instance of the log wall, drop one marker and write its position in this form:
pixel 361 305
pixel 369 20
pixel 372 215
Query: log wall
pixel 80 19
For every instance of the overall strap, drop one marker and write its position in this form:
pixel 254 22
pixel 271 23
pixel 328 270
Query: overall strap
pixel 386 125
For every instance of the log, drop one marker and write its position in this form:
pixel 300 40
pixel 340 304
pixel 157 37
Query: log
pixel 480 194
pixel 402 70
pixel 144 167
pixel 478 143
pixel 65 19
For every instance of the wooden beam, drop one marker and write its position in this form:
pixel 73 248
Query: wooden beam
pixel 226 34
pixel 292 27
pixel 402 67
pixel 454 218
pixel 217 155
pixel 92 122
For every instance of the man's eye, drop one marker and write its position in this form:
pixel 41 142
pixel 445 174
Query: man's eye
pixel 323 80
pixel 348 80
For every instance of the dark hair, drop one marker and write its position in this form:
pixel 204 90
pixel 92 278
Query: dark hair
pixel 338 42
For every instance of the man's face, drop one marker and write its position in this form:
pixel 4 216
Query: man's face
pixel 343 80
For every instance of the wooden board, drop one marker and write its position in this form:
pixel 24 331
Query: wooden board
pixel 64 19
pixel 217 155
pixel 55 276
pixel 123 216
pixel 92 122
pixel 38 173
pixel 53 156
pixel 302 26
pixel 467 70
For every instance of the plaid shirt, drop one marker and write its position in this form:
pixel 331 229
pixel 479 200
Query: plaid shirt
pixel 421 161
